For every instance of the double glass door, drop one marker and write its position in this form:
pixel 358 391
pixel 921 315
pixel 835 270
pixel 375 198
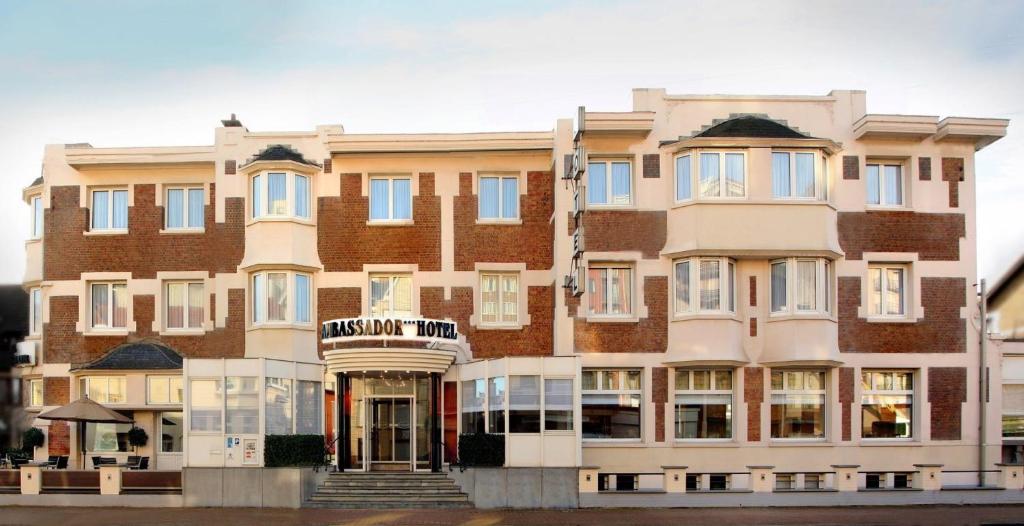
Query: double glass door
pixel 391 433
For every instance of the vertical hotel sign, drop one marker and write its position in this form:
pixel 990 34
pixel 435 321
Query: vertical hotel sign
pixel 575 168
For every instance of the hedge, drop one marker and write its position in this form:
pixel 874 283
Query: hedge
pixel 481 449
pixel 293 450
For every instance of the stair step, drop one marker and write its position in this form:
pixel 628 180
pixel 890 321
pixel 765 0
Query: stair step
pixel 372 494
pixel 389 505
pixel 390 498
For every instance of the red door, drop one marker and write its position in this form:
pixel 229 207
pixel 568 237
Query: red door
pixel 451 421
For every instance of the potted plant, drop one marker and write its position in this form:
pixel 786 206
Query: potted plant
pixel 137 437
pixel 31 439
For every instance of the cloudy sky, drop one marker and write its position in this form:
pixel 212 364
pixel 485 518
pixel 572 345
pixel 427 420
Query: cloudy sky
pixel 118 73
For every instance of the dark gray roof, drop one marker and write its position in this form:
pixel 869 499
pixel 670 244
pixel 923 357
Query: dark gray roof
pixel 137 356
pixel 280 152
pixel 750 126
pixel 38 181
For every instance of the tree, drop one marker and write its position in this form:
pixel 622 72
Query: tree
pixel 32 438
pixel 137 437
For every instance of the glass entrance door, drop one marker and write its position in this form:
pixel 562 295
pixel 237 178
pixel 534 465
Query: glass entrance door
pixel 390 433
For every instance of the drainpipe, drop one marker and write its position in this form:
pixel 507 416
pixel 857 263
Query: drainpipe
pixel 982 370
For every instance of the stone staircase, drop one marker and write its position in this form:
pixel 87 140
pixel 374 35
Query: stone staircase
pixel 388 490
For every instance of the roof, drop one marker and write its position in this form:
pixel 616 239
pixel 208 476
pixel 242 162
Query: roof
pixel 750 125
pixel 37 181
pixel 1015 272
pixel 141 355
pixel 280 152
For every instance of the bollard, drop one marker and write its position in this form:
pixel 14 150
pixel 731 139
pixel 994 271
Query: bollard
pixel 761 479
pixel 675 479
pixel 110 480
pixel 31 480
pixel 846 477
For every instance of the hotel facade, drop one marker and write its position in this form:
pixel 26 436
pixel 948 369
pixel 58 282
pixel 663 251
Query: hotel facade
pixel 712 286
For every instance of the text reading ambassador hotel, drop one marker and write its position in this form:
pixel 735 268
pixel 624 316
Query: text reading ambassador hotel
pixel 762 280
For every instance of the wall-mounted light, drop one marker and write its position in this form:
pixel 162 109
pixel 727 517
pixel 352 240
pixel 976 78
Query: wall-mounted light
pixel 676 477
pixel 931 475
pixel 588 477
pixel 762 476
pixel 847 476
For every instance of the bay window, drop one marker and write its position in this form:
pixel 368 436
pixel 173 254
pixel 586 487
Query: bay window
pixel 37 217
pixel 886 290
pixel 801 286
pixel 705 285
pixel 184 305
pixel 887 404
pixel 703 404
pixel 558 407
pixel 391 296
pixel 794 175
pixel 684 183
pixel 109 305
pixel 103 389
pixel 172 431
pixel 35 308
pixel 183 208
pixel 498 197
pixel 499 299
pixel 798 404
pixel 884 184
pixel 524 404
pixel 496 404
pixel 611 407
pixel 609 289
pixel 722 174
pixel 35 392
pixel 609 182
pixel 108 438
pixel 280 195
pixel 473 397
pixel 272 292
pixel 164 390
pixel 109 210
pixel 390 199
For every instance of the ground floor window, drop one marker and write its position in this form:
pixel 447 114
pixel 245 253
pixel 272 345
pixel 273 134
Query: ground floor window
pixel 308 407
pixel 278 410
pixel 703 404
pixel 611 404
pixel 108 438
pixel 558 404
pixel 524 404
pixel 887 404
pixel 1013 410
pixel 798 404
pixel 171 431
pixel 473 396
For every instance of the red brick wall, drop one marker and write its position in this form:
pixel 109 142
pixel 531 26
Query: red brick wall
pixel 659 395
pixel 532 242
pixel 941 331
pixel 924 168
pixel 58 438
pixel 337 302
pixel 851 167
pixel 947 392
pixel 650 334
pixel 753 291
pixel 642 231
pixel 535 339
pixel 753 395
pixel 935 237
pixel 346 243
pixel 143 250
pixel 846 384
pixel 953 173
pixel 56 390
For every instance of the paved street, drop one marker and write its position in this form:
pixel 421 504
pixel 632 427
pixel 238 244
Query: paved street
pixel 956 515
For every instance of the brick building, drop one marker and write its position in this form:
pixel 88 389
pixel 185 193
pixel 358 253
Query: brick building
pixel 711 281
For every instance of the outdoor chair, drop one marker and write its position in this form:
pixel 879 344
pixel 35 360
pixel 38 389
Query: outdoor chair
pixel 62 462
pixel 133 462
pixel 16 463
pixel 143 464
pixel 51 461
pixel 96 462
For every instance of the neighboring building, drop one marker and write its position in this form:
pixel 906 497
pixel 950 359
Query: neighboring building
pixel 746 280
pixel 1006 325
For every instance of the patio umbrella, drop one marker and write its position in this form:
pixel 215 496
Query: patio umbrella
pixel 84 410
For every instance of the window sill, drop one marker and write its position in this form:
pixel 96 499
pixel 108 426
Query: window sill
pixel 886 208
pixel 500 222
pixel 889 442
pixel 185 231
pixel 106 332
pixel 612 442
pixel 33 241
pixel 788 316
pixel 612 319
pixel 182 332
pixel 33 337
pixel 705 442
pixel 603 206
pixel 706 316
pixel 498 327
pixel 109 232
pixel 279 219
pixel 799 442
pixel 746 201
pixel 389 222
pixel 280 326
pixel 879 319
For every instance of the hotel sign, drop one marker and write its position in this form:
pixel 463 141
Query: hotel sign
pixel 573 176
pixel 388 328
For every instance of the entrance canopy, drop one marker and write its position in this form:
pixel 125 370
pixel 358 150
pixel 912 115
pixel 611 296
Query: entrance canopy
pixel 391 344
pixel 361 359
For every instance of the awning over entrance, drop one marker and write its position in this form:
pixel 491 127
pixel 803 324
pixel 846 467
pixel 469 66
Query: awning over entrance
pixel 359 359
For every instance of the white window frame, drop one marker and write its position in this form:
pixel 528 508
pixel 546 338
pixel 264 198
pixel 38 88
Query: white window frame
pixel 501 277
pixel 721 175
pixel 186 196
pixel 87 381
pixel 32 382
pixel 816 163
pixel 620 390
pixel 391 198
pixel 823 295
pixel 170 389
pixel 712 390
pixel 37 217
pixel 35 311
pixel 167 299
pixel 392 280
pixel 501 198
pixel 884 292
pixel 726 290
pixel 110 208
pixel 886 392
pixel 881 184
pixel 608 162
pixel 110 306
pixel 289 196
pixel 190 407
pixel 630 281
pixel 291 305
pixel 675 183
pixel 826 413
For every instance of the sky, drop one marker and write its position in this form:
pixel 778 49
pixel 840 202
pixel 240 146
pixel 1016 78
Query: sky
pixel 141 73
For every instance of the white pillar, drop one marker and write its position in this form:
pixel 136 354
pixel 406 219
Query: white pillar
pixel 928 477
pixel 31 480
pixel 588 479
pixel 110 480
pixel 846 477
pixel 761 479
pixel 1011 476
pixel 675 479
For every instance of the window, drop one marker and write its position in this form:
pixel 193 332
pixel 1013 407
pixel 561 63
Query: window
pixel 609 290
pixel 611 404
pixel 103 389
pixel 108 438
pixel 109 305
pixel 308 407
pixel 109 210
pixel 793 175
pixel 499 299
pixel 391 296
pixel 558 407
pixel 270 297
pixel 801 286
pixel 498 197
pixel 184 305
pixel 242 405
pixel 885 184
pixel 496 404
pixel 184 208
pixel 390 199
pixel 524 404
pixel 172 432
pixel 271 196
pixel 701 286
pixel 206 403
pixel 37 217
pixel 887 404
pixel 35 308
pixel 278 408
pixel 886 290
pixel 723 175
pixel 703 404
pixel 798 404
pixel 684 183
pixel 35 392
pixel 1013 410
pixel 162 390
pixel 609 183
pixel 473 396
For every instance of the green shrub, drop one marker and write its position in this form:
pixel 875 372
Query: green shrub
pixel 293 450
pixel 481 449
pixel 32 438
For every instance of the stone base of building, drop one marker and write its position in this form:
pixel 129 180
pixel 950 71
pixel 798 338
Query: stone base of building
pixel 799 499
pixel 520 487
pixel 249 487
